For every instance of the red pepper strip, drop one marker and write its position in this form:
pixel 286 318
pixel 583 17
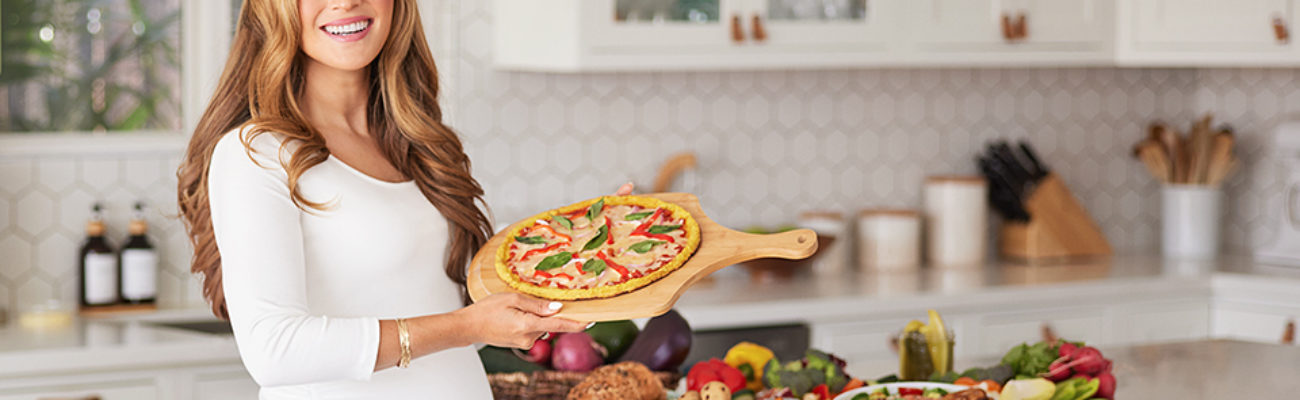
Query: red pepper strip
pixel 660 236
pixel 621 270
pixel 580 267
pixel 557 234
pixel 529 253
pixel 542 274
pixel 609 231
pixel 648 222
pixel 563 275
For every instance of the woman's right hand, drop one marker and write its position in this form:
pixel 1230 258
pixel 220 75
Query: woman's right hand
pixel 513 320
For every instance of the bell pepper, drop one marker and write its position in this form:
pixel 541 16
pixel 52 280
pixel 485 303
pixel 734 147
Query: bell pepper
pixel 610 263
pixel 906 391
pixel 822 391
pixel 611 234
pixel 750 357
pixel 530 253
pixel 714 370
pixel 553 232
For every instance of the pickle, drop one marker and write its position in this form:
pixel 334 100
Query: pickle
pixel 914 361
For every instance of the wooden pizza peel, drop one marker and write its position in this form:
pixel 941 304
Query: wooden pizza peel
pixel 719 247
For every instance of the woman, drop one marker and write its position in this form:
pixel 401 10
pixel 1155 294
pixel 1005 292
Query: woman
pixel 321 192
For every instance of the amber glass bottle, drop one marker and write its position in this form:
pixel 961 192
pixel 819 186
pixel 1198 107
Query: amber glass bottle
pixel 99 272
pixel 139 263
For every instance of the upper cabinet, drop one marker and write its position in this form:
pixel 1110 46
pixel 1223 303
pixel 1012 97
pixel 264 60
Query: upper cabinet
pixel 1208 33
pixel 1020 32
pixel 613 35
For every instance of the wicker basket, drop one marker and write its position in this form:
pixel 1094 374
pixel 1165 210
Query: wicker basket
pixel 549 385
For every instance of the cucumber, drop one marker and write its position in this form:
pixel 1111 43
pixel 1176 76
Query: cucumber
pixel 503 360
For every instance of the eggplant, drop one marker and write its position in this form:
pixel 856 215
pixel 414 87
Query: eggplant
pixel 663 344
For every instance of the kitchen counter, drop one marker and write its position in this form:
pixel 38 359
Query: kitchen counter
pixel 92 345
pixel 731 299
pixel 1215 369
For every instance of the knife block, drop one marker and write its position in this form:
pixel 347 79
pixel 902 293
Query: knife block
pixel 1058 229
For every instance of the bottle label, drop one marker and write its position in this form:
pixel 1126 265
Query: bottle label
pixel 100 279
pixel 139 274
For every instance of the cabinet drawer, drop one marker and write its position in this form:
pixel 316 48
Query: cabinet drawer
pixel 999 332
pixel 1165 323
pixel 225 385
pixel 1210 25
pixel 1252 322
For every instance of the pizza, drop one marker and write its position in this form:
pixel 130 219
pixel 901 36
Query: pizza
pixel 597 248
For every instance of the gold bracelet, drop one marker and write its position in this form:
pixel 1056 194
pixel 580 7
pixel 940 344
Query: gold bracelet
pixel 404 339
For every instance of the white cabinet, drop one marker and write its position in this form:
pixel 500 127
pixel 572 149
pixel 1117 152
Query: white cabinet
pixel 221 385
pixel 112 386
pixel 999 32
pixel 1208 32
pixel 615 35
pixel 999 332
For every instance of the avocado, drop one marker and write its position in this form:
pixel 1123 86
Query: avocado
pixel 614 336
pixel 497 359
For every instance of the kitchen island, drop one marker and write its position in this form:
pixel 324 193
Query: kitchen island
pixel 1122 305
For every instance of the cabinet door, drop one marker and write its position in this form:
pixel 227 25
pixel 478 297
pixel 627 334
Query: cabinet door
pixel 84 387
pixel 1163 322
pixel 828 25
pixel 999 332
pixel 665 25
pixel 1210 25
pixel 1050 25
pixel 1252 322
pixel 225 385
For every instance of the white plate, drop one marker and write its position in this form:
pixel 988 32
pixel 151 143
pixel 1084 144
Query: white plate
pixel 893 388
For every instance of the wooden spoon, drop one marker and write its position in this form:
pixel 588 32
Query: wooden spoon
pixel 1153 156
pixel 1201 143
pixel 1175 148
pixel 1221 160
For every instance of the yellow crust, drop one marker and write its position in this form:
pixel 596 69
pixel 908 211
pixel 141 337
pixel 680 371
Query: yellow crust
pixel 689 225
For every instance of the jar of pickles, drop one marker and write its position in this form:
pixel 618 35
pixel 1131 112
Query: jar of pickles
pixel 924 349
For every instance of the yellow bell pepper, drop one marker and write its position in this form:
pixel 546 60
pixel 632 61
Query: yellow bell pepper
pixel 754 357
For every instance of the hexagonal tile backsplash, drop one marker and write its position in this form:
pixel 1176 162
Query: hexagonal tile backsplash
pixel 770 144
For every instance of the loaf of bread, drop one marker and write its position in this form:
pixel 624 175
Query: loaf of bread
pixel 625 380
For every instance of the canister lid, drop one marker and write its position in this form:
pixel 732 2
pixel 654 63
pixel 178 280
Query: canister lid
pixel 972 179
pixel 821 214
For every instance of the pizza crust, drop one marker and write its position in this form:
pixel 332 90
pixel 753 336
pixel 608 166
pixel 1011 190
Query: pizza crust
pixel 689 226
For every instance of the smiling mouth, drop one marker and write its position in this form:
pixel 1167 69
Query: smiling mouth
pixel 349 29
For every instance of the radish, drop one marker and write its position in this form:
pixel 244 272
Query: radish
pixel 1105 386
pixel 541 352
pixel 1067 349
pixel 1058 370
pixel 1088 360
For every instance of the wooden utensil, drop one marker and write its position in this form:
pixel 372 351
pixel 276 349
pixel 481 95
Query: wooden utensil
pixel 1200 143
pixel 1174 146
pixel 1222 162
pixel 1153 156
pixel 719 247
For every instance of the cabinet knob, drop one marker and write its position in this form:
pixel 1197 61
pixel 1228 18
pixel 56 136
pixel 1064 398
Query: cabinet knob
pixel 1280 30
pixel 737 29
pixel 1008 31
pixel 1288 333
pixel 1022 30
pixel 760 34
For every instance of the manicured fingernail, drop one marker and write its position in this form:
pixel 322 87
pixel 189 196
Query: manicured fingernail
pixel 546 336
pixel 555 306
pixel 590 325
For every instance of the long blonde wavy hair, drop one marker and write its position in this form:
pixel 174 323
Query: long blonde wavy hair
pixel 260 88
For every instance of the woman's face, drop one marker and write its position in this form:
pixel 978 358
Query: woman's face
pixel 344 34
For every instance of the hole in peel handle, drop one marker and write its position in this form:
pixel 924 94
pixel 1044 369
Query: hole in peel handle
pixel 793 245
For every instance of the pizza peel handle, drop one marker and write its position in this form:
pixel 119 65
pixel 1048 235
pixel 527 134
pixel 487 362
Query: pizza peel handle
pixel 719 248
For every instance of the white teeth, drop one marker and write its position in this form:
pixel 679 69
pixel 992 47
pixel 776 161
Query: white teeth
pixel 347 29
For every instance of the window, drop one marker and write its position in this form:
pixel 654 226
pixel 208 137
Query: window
pixel 90 65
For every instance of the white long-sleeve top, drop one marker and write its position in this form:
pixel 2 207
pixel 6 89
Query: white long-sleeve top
pixel 306 289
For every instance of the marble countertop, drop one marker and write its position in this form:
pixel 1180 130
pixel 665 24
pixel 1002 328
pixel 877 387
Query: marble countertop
pixel 90 345
pixel 1213 369
pixel 729 298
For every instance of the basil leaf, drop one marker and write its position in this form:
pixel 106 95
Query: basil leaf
pixel 595 266
pixel 554 261
pixel 645 246
pixel 564 221
pixel 594 210
pixel 638 216
pixel 664 228
pixel 596 241
pixel 530 239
